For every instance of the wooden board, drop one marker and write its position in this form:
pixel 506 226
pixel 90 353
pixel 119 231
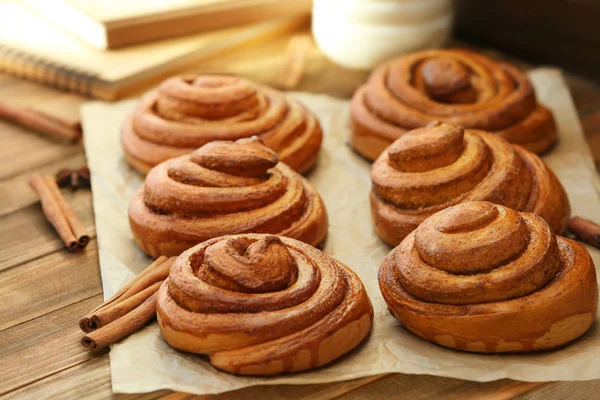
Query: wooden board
pixel 45 289
pixel 44 346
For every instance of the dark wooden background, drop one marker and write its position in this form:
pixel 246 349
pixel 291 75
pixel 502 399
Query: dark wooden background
pixel 561 32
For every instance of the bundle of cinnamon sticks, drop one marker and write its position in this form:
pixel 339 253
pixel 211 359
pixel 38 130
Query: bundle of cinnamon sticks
pixel 59 213
pixel 132 307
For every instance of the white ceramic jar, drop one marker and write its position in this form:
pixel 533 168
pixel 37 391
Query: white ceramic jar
pixel 362 33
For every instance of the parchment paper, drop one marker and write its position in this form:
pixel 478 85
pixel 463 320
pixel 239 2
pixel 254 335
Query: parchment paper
pixel 144 362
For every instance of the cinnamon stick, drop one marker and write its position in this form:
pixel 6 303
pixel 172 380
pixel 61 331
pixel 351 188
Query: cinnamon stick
pixel 122 327
pixel 59 213
pixel 115 311
pixel 585 230
pixel 295 61
pixel 40 122
pixel 129 296
pixel 127 310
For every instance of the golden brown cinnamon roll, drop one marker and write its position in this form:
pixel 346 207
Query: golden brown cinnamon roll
pixel 262 305
pixel 481 277
pixel 455 86
pixel 440 165
pixel 224 188
pixel 186 112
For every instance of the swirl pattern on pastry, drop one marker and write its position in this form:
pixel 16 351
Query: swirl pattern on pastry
pixel 448 85
pixel 440 165
pixel 484 278
pixel 224 188
pixel 262 305
pixel 186 112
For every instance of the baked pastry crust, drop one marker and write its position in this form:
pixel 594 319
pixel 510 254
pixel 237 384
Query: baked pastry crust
pixel 484 278
pixel 440 165
pixel 262 305
pixel 186 112
pixel 451 85
pixel 224 188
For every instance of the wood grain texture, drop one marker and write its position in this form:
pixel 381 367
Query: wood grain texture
pixel 43 346
pixel 44 288
pixel 589 390
pixel 47 284
pixel 23 150
pixel 90 380
pixel 282 392
pixel 429 387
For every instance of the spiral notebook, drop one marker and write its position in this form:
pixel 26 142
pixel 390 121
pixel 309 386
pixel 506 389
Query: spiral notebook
pixel 35 50
pixel 111 24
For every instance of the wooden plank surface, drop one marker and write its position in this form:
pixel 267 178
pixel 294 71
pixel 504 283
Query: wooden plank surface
pixel 45 290
pixel 23 150
pixel 43 346
pixel 46 284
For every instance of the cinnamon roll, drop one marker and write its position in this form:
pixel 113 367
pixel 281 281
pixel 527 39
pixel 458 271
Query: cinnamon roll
pixel 484 278
pixel 262 305
pixel 440 165
pixel 456 86
pixel 224 188
pixel 186 112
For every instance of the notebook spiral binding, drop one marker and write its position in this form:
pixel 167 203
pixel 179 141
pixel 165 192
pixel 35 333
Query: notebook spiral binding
pixel 39 69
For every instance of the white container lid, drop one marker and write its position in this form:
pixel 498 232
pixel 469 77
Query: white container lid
pixel 361 34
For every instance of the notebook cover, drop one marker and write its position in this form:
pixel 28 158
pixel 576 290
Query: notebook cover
pixel 46 52
pixel 111 24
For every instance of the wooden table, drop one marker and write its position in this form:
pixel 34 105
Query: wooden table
pixel 44 290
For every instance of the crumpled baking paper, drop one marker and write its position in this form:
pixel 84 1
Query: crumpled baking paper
pixel 144 362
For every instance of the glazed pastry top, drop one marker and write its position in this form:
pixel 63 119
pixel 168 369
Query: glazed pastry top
pixel 482 277
pixel 224 188
pixel 456 86
pixel 442 164
pixel 187 112
pixel 256 303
